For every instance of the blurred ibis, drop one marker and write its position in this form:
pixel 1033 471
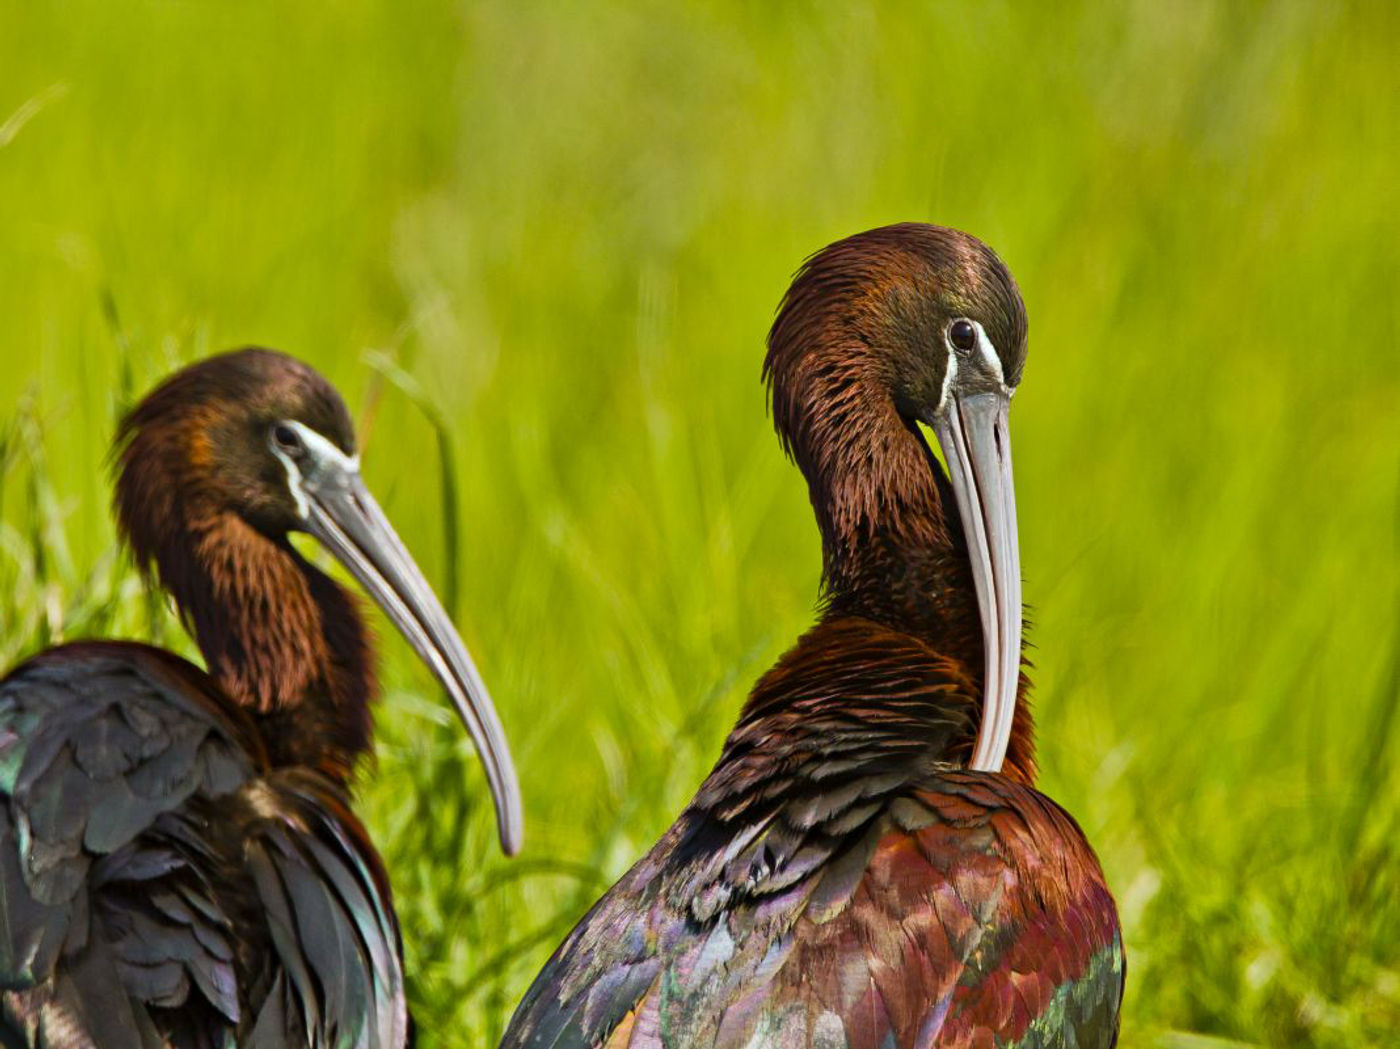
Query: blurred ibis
pixel 180 863
pixel 869 864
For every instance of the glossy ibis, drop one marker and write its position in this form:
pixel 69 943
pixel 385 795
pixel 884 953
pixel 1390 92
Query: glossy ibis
pixel 869 864
pixel 180 863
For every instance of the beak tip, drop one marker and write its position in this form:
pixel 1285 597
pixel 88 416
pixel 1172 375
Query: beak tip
pixel 512 839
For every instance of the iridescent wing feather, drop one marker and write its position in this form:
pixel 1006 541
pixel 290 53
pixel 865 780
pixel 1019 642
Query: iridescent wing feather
pixel 956 912
pixel 162 887
pixel 835 883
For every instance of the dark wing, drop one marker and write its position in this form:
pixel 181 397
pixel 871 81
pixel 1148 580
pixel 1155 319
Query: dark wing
pixel 968 909
pixel 99 745
pixel 152 872
pixel 327 905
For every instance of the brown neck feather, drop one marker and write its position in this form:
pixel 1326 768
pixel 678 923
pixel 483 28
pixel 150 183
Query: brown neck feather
pixel 281 638
pixel 892 546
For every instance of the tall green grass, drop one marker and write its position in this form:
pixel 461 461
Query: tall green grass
pixel 546 240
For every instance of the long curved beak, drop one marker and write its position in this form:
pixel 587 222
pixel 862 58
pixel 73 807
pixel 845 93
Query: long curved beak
pixel 976 443
pixel 343 515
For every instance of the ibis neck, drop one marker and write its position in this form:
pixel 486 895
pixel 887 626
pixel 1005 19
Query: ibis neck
pixel 892 545
pixel 893 551
pixel 283 640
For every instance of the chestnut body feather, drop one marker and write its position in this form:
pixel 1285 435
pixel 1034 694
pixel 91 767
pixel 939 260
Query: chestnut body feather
pixel 841 878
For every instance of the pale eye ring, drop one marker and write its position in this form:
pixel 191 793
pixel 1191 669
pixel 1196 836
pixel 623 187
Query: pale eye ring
pixel 286 439
pixel 962 334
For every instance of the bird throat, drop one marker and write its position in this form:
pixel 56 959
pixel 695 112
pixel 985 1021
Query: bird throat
pixel 892 545
pixel 283 640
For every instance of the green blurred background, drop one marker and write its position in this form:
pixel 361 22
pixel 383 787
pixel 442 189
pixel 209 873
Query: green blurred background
pixel 560 231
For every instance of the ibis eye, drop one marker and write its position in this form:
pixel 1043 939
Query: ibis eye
pixel 286 439
pixel 962 335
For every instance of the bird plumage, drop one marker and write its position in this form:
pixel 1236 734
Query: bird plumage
pixel 194 505
pixel 180 865
pixel 842 878
pixel 164 884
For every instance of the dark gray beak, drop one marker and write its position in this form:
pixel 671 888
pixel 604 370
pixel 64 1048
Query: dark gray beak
pixel 972 431
pixel 340 512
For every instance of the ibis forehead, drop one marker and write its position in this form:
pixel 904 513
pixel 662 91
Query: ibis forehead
pixel 317 410
pixel 983 291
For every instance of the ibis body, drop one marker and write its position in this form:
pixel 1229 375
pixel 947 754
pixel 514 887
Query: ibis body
pixel 180 863
pixel 869 864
